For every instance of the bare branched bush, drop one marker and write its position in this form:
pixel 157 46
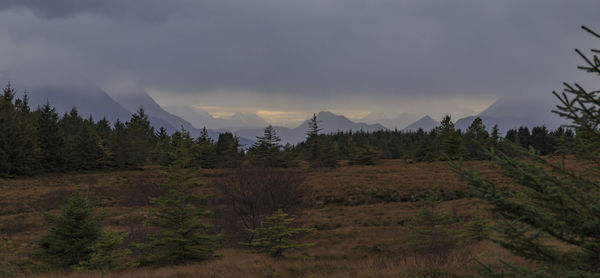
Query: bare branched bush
pixel 246 196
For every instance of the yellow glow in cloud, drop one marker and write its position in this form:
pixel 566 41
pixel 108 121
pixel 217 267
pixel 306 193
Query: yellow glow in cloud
pixel 221 114
pixel 281 115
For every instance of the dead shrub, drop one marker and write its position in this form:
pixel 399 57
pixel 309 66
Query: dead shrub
pixel 246 196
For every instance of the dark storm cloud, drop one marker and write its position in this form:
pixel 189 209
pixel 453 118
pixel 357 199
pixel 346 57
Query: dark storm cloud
pixel 300 48
pixel 150 10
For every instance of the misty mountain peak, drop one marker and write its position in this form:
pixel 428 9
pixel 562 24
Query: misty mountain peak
pixel 426 123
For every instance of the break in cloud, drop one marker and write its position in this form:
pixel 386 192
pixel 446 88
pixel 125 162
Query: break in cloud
pixel 299 56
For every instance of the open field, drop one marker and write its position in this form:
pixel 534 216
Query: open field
pixel 359 213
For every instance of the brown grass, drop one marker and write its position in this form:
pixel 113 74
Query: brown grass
pixel 359 213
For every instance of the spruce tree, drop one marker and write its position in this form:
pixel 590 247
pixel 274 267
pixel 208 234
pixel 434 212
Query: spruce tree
pixel 72 233
pixel 312 139
pixel 182 236
pixel 51 139
pixel 140 138
pixel 26 155
pixel 433 233
pixel 205 151
pixel 18 141
pixel 289 156
pixel 267 149
pixel 227 150
pixel 495 136
pixel 549 215
pixel 448 141
pixel 7 128
pixel 87 152
pixel 160 153
pixel 275 235
pixel 106 254
pixel 118 142
pixel 477 140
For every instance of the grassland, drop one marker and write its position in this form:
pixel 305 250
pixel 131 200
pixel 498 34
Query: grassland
pixel 359 213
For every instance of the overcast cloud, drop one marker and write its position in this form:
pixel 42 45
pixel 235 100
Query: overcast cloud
pixel 362 53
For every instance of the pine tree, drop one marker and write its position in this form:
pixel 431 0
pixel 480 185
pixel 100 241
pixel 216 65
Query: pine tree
pixel 205 151
pixel 495 136
pixel 432 233
pixel 26 156
pixel 289 156
pixel 550 214
pixel 118 143
pixel 275 236
pixel 88 152
pixel 267 149
pixel 71 123
pixel 448 141
pixel 72 233
pixel 312 139
pixel 477 140
pixel 140 138
pixel 106 254
pixel 8 128
pixel 51 139
pixel 182 236
pixel 19 150
pixel 160 152
pixel 227 150
pixel 362 156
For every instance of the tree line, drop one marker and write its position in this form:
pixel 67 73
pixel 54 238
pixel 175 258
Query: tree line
pixel 42 141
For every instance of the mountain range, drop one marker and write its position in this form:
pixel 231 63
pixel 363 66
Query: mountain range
pixel 513 112
pixel 98 104
pixel 506 112
pixel 328 123
pixel 201 118
pixel 399 121
pixel 426 123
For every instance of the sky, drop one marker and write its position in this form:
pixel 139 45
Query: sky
pixel 286 59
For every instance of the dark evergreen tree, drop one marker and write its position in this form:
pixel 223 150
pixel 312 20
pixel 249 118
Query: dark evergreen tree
pixel 448 141
pixel 541 141
pixel 205 150
pixel 495 136
pixel 477 140
pixel 72 233
pixel 88 152
pixel 312 139
pixel 162 149
pixel 71 124
pixel 8 127
pixel 227 150
pixel 103 129
pixel 140 138
pixel 26 155
pixel 182 236
pixel 118 145
pixel 511 135
pixel 51 140
pixel 106 254
pixel 550 214
pixel 523 136
pixel 289 156
pixel 275 236
pixel 266 151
